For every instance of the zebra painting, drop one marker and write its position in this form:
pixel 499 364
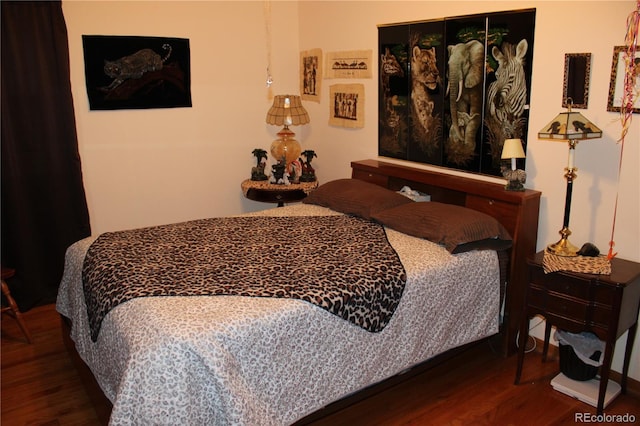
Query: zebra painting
pixel 506 97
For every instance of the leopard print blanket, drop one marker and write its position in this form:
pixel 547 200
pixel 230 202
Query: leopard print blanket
pixel 342 264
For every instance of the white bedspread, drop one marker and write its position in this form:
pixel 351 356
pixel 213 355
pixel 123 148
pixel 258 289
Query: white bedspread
pixel 230 360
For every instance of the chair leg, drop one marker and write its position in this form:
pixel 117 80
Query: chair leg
pixel 14 311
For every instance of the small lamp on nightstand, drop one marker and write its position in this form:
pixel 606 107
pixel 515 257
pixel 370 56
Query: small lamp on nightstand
pixel 512 149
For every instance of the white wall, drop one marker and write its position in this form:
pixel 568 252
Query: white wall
pixel 156 166
pixel 147 167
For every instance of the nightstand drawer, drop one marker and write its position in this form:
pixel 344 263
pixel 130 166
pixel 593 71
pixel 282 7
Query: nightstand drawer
pixel 269 196
pixel 573 286
pixel 577 310
pixel 541 299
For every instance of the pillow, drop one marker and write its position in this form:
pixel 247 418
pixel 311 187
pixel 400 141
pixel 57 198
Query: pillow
pixel 356 197
pixel 457 228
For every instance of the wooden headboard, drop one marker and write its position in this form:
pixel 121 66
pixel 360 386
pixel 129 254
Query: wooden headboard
pixel 517 211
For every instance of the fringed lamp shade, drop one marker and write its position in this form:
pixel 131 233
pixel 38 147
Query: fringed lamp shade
pixel 287 110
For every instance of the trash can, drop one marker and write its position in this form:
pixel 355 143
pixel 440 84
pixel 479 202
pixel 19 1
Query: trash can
pixel 580 354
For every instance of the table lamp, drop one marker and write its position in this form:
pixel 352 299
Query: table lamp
pixel 570 127
pixel 512 149
pixel 287 110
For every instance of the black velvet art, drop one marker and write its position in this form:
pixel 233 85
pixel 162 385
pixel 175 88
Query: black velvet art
pixel 452 90
pixel 127 72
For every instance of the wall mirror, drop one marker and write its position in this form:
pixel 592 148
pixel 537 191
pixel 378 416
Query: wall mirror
pixel 577 69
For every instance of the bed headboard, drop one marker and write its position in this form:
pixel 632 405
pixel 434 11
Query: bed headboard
pixel 517 211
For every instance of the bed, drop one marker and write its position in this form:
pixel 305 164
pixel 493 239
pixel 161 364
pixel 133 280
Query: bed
pixel 238 355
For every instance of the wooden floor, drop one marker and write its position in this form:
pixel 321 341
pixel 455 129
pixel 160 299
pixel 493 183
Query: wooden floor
pixel 41 387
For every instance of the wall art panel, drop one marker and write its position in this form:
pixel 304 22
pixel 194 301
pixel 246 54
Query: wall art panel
pixel 132 72
pixel 427 54
pixel 393 94
pixel 452 90
pixel 311 74
pixel 347 105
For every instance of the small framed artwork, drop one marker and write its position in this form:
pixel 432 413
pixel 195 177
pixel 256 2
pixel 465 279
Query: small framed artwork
pixel 349 64
pixel 577 71
pixel 311 74
pixel 346 105
pixel 618 74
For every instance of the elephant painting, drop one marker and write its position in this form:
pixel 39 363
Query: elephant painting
pixel 466 75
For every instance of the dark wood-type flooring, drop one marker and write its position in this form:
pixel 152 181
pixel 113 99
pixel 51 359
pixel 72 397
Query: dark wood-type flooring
pixel 41 387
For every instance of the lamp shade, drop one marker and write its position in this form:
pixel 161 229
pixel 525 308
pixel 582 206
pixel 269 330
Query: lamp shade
pixel 287 110
pixel 512 148
pixel 570 126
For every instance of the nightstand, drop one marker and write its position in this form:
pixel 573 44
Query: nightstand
pixel 606 305
pixel 272 193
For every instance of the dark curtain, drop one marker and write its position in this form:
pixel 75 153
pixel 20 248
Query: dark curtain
pixel 43 208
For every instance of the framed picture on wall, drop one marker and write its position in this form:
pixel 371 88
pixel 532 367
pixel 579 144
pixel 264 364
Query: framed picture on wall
pixel 346 105
pixel 349 64
pixel 311 75
pixel 616 86
pixel 131 72
pixel 577 72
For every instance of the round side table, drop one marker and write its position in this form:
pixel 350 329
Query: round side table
pixel 271 193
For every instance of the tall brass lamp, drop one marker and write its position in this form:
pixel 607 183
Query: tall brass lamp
pixel 570 127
